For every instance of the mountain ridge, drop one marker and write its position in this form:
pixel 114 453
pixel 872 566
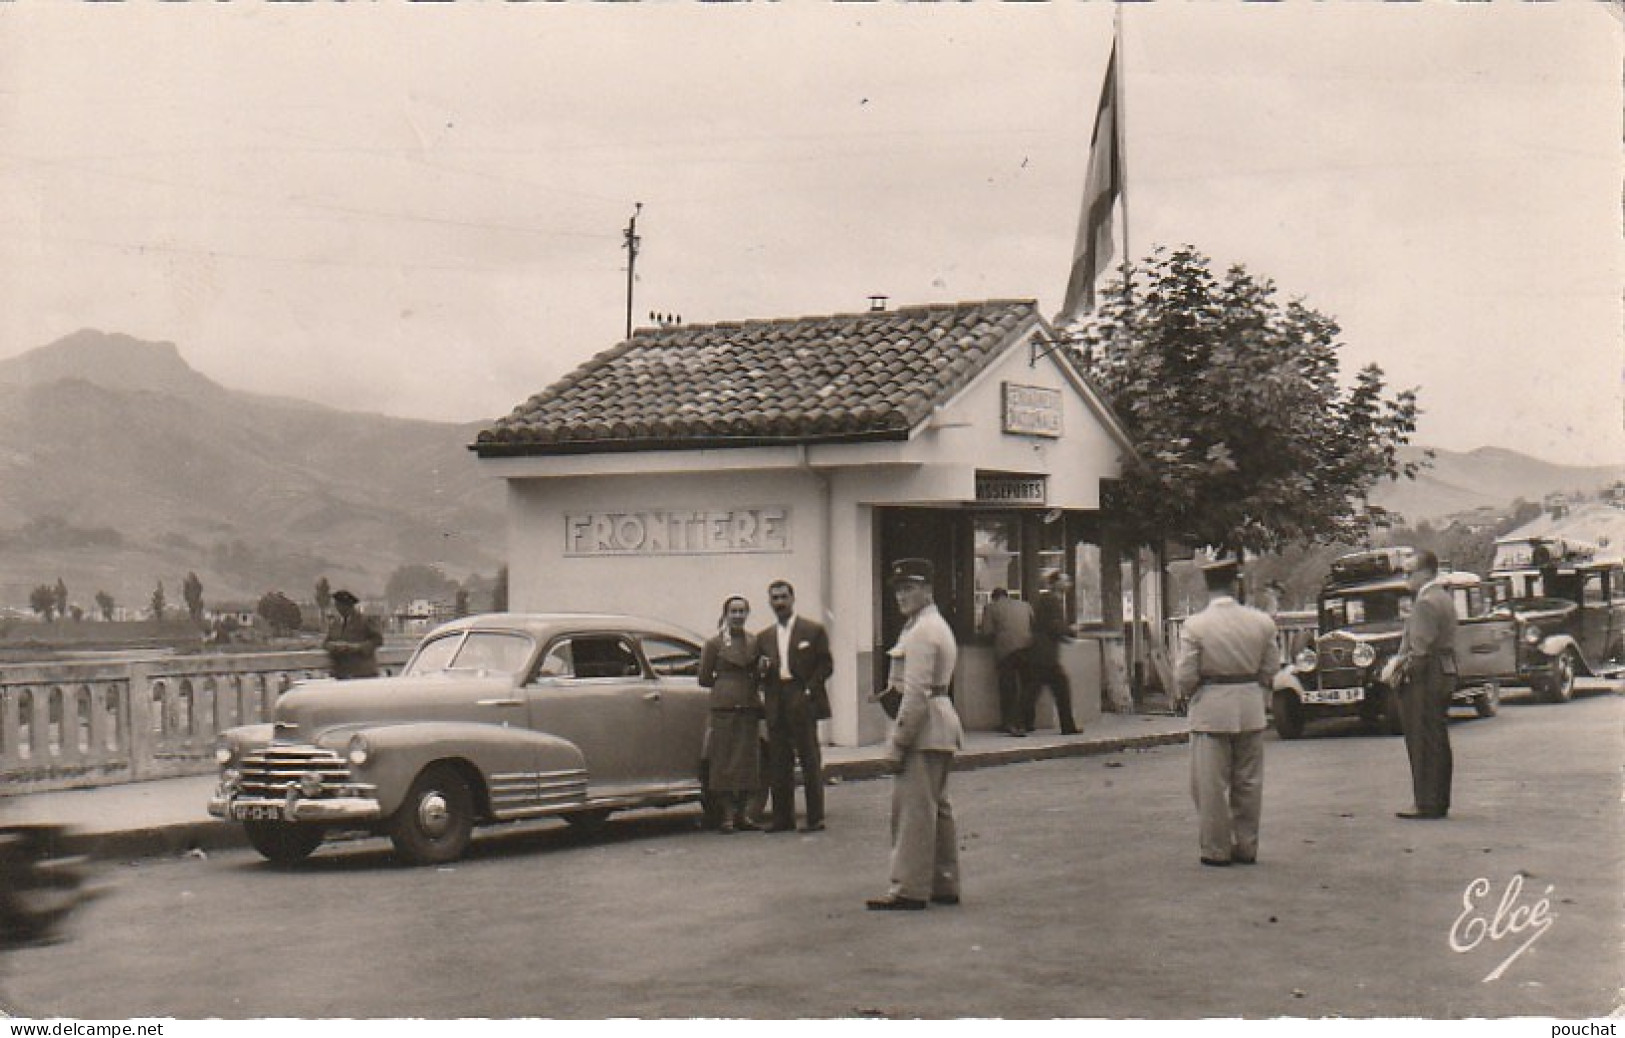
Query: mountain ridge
pixel 122 466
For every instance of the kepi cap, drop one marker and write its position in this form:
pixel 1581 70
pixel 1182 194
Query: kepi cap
pixel 916 570
pixel 344 596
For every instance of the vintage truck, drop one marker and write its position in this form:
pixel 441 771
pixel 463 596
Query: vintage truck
pixel 1337 672
pixel 1566 600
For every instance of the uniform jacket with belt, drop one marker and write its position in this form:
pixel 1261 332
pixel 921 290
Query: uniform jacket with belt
pixel 924 658
pixel 810 666
pixel 1232 641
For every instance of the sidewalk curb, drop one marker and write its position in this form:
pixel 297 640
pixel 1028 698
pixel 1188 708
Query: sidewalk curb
pixel 212 834
pixel 859 770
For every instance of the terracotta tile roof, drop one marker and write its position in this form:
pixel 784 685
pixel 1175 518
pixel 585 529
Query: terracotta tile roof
pixel 800 380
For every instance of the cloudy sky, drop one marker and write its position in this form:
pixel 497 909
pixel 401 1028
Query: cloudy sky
pixel 418 210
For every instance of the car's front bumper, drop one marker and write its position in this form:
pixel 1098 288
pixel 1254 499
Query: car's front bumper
pixel 325 810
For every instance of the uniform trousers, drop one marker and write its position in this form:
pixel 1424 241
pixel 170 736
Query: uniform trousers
pixel 1227 783
pixel 924 839
pixel 1424 704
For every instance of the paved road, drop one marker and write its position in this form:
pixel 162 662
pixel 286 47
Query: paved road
pixel 1083 899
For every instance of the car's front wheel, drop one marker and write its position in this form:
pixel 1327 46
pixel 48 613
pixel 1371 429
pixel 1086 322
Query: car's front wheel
pixel 283 843
pixel 1559 685
pixel 1288 714
pixel 435 822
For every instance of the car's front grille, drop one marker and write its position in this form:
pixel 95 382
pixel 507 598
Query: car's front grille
pixel 269 772
pixel 1341 677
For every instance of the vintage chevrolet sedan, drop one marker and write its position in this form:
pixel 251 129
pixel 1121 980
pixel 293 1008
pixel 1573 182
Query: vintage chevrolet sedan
pixel 495 718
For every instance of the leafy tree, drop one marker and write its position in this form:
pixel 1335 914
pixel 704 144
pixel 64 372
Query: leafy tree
pixel 324 598
pixel 61 593
pixel 418 581
pixel 77 612
pixel 104 602
pixel 1244 438
pixel 280 611
pixel 193 591
pixel 156 604
pixel 499 593
pixel 42 600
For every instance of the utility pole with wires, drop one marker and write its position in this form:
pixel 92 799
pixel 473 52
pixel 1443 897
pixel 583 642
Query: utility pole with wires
pixel 631 246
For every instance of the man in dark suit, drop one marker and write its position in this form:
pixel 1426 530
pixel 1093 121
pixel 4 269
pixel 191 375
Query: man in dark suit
pixel 796 664
pixel 352 640
pixel 1050 629
pixel 1426 678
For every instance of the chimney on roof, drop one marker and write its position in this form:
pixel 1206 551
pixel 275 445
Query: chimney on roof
pixel 877 304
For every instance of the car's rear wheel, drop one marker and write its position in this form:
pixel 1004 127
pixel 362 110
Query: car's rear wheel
pixel 1488 702
pixel 1559 685
pixel 284 843
pixel 1288 714
pixel 435 821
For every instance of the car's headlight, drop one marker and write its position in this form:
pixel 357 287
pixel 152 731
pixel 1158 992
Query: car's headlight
pixel 1364 655
pixel 358 752
pixel 225 752
pixel 1531 634
pixel 1306 660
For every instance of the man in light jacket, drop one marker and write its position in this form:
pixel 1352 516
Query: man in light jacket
pixel 1227 658
pixel 924 737
pixel 1427 679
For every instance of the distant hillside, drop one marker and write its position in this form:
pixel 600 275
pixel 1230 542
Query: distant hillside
pixel 1489 476
pixel 121 466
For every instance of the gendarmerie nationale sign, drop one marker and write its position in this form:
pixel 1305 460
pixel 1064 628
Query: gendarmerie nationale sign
pixel 1032 410
pixel 722 531
pixel 1012 490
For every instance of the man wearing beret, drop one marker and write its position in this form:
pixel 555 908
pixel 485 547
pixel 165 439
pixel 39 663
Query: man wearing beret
pixel 1227 658
pixel 924 737
pixel 352 640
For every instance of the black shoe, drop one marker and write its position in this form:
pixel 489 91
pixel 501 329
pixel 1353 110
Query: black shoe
pixel 1071 731
pixel 813 827
pixel 895 903
pixel 1420 815
pixel 1218 863
pixel 726 828
pixel 945 899
pixel 745 825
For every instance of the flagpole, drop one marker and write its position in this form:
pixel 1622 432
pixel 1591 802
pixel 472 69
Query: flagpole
pixel 1119 127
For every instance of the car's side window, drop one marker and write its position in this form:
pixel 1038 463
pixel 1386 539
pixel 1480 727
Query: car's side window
pixel 1595 593
pixel 493 652
pixel 670 658
pixel 558 663
pixel 604 656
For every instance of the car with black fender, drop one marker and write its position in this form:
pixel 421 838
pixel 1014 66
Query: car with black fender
pixel 495 718
pixel 1567 600
pixel 1360 621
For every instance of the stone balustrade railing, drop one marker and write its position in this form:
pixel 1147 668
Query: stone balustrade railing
pixel 70 725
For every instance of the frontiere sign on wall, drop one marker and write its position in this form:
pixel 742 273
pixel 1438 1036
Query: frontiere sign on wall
pixel 679 532
pixel 1032 410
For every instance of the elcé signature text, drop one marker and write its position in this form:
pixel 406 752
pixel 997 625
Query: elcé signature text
pixel 1511 919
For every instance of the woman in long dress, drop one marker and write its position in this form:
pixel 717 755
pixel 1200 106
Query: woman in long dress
pixel 728 667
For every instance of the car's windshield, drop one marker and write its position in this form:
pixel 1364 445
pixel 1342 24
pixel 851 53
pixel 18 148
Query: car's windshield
pixel 1343 610
pixel 486 652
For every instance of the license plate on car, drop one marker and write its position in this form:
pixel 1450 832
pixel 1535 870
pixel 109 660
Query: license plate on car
pixel 1334 695
pixel 257 812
